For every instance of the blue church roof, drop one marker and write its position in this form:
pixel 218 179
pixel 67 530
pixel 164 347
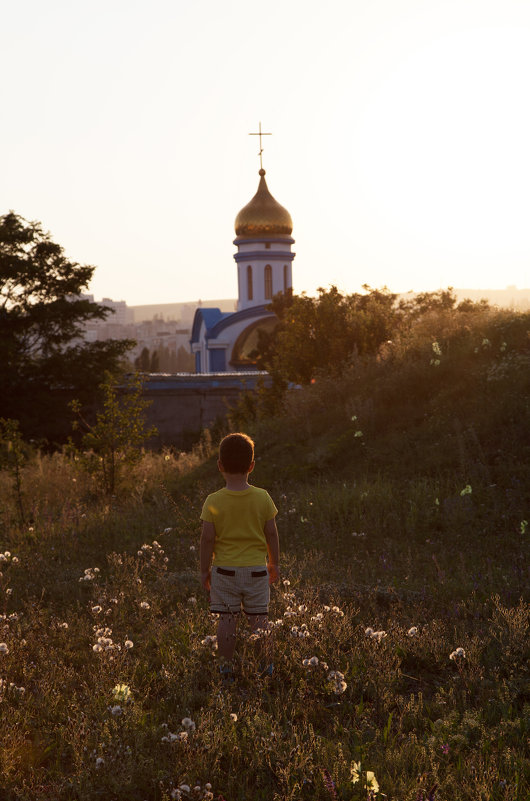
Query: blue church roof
pixel 210 317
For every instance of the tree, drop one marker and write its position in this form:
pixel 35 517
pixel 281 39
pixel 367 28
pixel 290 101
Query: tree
pixel 43 358
pixel 116 438
pixel 324 333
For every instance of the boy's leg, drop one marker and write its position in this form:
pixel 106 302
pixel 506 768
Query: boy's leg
pixel 226 635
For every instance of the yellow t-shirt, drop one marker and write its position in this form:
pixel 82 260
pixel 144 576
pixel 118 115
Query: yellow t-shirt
pixel 239 517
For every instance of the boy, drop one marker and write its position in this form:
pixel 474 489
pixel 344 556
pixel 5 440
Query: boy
pixel 239 531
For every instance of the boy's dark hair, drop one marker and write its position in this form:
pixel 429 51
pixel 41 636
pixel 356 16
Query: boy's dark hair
pixel 236 453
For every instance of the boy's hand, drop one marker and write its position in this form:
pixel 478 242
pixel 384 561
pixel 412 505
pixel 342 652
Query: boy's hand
pixel 206 580
pixel 274 573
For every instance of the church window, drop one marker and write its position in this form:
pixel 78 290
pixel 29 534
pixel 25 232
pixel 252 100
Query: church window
pixel 285 277
pixel 250 293
pixel 268 282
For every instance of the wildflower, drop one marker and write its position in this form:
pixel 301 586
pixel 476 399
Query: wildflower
pixel 458 653
pixel 412 631
pixel 97 648
pixel 185 788
pixel 326 608
pixel 192 600
pixel 233 717
pixel 340 687
pixel 168 530
pixel 96 609
pixel 145 605
pixel 286 583
pixel 445 748
pixel 192 548
pixel 63 626
pixel 379 635
pixel 3 648
pixel 358 434
pixel 466 491
pixel 313 661
pixel 7 554
pixel 116 710
pixel 128 644
pixel 188 724
pixel 369 631
pixel 305 662
pixel 183 736
pixel 302 608
pixel 14 560
pixel 9 591
pixel 100 762
pixel 121 692
pixel 210 639
pixel 371 781
pixel 329 783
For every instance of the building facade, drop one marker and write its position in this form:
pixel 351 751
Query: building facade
pixel 224 342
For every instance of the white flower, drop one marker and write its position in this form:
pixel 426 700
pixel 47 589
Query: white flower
pixel 326 608
pixel 3 648
pixel 313 661
pixel 378 635
pixel 459 653
pixel 192 548
pixel 116 710
pixel 128 644
pixel 192 600
pixel 183 736
pixel 369 631
pixel 100 762
pixel 9 591
pixel 340 687
pixel 97 648
pixel 144 605
pixel 96 609
pixel 14 560
pixel 412 631
pixel 302 608
pixel 185 788
pixel 286 583
pixel 121 692
pixel 233 717
pixel 63 626
pixel 168 530
pixel 7 554
pixel 188 724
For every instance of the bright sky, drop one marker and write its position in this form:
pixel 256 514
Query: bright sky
pixel 401 138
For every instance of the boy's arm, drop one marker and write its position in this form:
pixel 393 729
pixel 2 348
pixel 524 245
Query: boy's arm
pixel 206 550
pixel 273 548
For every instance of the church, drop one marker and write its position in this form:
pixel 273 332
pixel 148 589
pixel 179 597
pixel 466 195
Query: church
pixel 224 342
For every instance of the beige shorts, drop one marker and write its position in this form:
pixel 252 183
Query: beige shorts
pixel 236 587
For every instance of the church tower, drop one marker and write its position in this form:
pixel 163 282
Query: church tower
pixel 264 258
pixel 226 342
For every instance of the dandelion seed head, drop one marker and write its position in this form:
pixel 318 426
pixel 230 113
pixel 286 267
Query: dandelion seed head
pixel 412 631
pixel 233 717
pixel 128 644
pixel 3 648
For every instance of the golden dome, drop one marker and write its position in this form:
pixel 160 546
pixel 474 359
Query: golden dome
pixel 263 215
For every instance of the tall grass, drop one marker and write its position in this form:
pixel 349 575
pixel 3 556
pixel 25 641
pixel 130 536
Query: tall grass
pixel 400 624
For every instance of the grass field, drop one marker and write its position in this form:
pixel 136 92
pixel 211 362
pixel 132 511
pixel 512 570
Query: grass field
pixel 399 627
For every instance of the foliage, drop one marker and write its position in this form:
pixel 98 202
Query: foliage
pixel 120 430
pixel 42 313
pixel 12 457
pixel 324 333
pixel 165 360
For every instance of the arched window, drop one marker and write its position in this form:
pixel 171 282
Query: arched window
pixel 250 293
pixel 268 282
pixel 285 277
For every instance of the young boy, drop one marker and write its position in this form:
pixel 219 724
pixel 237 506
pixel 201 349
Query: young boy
pixel 239 532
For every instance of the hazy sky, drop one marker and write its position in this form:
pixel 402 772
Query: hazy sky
pixel 401 138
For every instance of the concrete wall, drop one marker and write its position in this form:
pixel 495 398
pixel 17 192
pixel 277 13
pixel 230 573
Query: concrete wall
pixel 182 405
